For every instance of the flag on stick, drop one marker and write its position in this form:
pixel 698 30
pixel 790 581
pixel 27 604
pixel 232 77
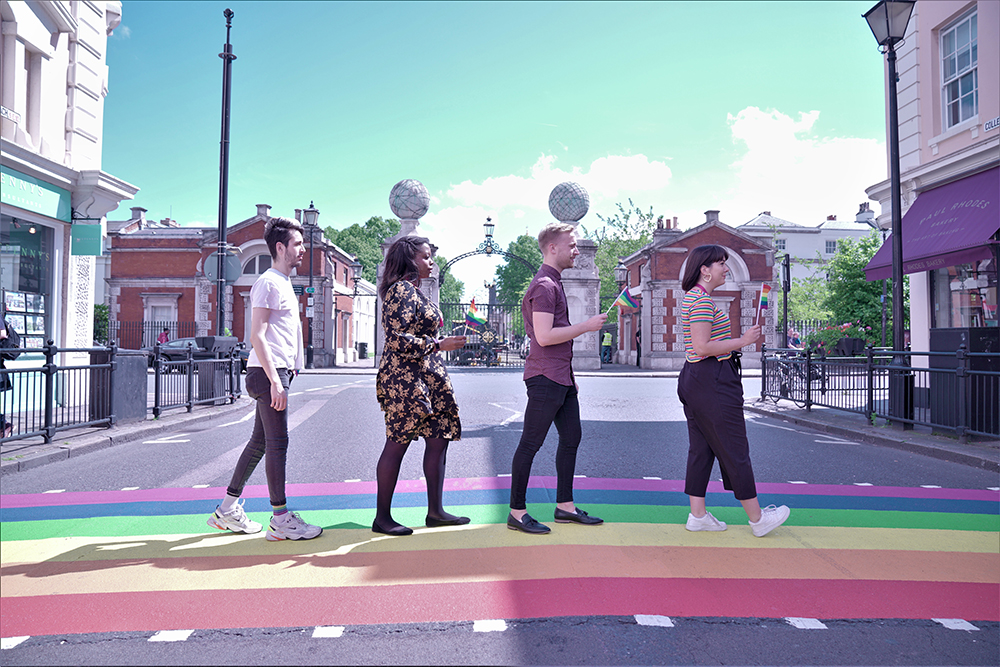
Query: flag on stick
pixel 473 318
pixel 765 290
pixel 624 299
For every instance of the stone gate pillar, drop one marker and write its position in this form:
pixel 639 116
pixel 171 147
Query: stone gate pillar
pixel 568 203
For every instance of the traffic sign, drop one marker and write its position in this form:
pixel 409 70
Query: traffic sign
pixel 310 290
pixel 232 267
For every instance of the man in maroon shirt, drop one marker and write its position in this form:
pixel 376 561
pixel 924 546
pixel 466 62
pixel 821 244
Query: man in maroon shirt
pixel 548 375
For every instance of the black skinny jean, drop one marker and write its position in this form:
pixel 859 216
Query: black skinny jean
pixel 269 438
pixel 548 402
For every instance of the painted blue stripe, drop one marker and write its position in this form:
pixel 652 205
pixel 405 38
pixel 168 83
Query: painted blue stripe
pixel 502 497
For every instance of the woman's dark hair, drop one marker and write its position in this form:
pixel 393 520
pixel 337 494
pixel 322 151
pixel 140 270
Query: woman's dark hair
pixel 401 262
pixel 703 255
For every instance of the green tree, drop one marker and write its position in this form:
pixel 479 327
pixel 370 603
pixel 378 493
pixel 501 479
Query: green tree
pixel 365 241
pixel 807 299
pixel 850 297
pixel 622 234
pixel 102 319
pixel 452 289
pixel 514 277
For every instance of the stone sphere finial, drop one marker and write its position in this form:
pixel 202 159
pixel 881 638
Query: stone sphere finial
pixel 569 202
pixel 409 199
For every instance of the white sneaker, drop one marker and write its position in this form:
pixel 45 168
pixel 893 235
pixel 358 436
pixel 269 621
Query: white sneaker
pixel 235 520
pixel 770 518
pixel 707 522
pixel 290 526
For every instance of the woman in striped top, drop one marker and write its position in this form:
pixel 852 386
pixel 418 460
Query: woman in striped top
pixel 710 388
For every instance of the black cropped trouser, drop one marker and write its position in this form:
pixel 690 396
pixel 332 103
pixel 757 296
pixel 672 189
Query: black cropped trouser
pixel 712 394
pixel 548 402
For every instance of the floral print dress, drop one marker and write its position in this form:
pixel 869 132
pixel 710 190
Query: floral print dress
pixel 413 387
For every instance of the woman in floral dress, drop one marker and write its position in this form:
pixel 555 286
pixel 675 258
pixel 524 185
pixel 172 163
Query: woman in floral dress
pixel 413 387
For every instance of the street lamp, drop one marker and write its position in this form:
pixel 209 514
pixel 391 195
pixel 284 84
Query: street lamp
pixel 888 20
pixel 621 274
pixel 309 217
pixel 357 270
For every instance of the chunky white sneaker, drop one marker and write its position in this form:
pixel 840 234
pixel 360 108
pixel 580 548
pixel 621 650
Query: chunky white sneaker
pixel 290 526
pixel 235 520
pixel 707 522
pixel 770 518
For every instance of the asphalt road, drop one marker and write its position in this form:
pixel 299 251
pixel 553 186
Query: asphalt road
pixel 633 429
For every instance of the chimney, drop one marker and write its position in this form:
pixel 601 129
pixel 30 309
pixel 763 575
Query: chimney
pixel 865 214
pixel 711 216
pixel 298 215
pixel 675 223
pixel 263 210
pixel 831 218
pixel 139 213
pixel 768 213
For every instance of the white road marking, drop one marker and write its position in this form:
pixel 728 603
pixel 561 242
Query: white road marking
pixel 659 478
pixel 331 631
pixel 805 623
pixel 863 484
pixel 224 463
pixel 11 642
pixel 797 482
pixel 504 474
pixel 171 636
pixel 169 440
pixel 655 621
pixel 837 442
pixel 352 480
pixel 510 418
pixel 929 486
pixel 55 491
pixel 955 624
pixel 494 625
pixel 131 488
pixel 246 417
pixel 993 488
pixel 200 486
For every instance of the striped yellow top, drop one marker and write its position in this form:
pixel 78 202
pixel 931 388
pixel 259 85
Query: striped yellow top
pixel 698 306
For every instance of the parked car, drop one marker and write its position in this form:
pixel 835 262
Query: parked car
pixel 176 350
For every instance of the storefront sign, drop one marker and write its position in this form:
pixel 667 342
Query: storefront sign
pixel 33 194
pixel 992 124
pixel 86 239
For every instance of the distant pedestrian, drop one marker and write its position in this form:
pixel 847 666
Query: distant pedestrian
pixel 276 356
pixel 413 386
pixel 548 376
pixel 711 390
pixel 164 336
pixel 638 347
pixel 606 347
pixel 9 341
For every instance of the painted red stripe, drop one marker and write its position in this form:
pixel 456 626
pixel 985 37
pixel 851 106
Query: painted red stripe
pixel 172 610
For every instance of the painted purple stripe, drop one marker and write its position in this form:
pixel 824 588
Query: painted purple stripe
pixel 477 484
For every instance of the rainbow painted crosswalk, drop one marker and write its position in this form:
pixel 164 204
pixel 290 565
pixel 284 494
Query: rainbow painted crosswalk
pixel 144 560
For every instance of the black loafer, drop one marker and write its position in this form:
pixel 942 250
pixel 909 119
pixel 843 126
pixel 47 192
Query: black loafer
pixel 562 516
pixel 395 531
pixel 431 522
pixel 527 525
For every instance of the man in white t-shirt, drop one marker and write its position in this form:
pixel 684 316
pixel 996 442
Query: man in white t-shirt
pixel 276 356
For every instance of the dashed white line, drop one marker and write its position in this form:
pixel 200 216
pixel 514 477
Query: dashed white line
pixel 200 486
pixel 993 488
pixel 11 642
pixel 504 474
pixel 656 478
pixel 131 488
pixel 955 624
pixel 863 484
pixel 328 631
pixel 171 636
pixel 797 482
pixel 246 417
pixel 169 440
pixel 653 620
pixel 805 623
pixel 579 477
pixel 493 625
pixel 929 486
pixel 55 491
pixel 352 480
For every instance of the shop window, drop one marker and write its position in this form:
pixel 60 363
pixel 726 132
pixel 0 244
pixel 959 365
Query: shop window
pixel 959 71
pixel 964 296
pixel 25 275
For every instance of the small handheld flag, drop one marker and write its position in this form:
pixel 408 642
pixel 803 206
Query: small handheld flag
pixel 765 290
pixel 472 317
pixel 624 299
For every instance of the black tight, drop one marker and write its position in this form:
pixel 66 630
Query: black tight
pixel 387 474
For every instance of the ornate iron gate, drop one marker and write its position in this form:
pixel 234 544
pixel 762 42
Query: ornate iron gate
pixel 500 342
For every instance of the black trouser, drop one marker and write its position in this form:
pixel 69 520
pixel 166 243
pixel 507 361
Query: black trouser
pixel 548 402
pixel 712 394
pixel 269 438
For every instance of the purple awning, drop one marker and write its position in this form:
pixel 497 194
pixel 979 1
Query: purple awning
pixel 948 225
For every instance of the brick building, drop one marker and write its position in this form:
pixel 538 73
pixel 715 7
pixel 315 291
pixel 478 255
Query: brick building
pixel 655 274
pixel 157 279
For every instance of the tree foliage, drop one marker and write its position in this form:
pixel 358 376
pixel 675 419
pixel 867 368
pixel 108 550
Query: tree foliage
pixel 807 299
pixel 620 235
pixel 514 277
pixel 365 241
pixel 102 318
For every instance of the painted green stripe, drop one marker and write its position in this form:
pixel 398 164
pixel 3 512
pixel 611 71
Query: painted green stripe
pixel 412 516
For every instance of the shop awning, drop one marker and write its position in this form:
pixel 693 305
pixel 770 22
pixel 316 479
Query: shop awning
pixel 948 225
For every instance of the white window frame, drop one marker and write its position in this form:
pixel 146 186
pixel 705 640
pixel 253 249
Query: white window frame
pixel 255 261
pixel 779 244
pixel 826 247
pixel 954 79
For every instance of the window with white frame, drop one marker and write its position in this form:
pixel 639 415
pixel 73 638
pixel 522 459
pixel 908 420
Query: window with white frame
pixel 779 244
pixel 831 247
pixel 959 73
pixel 257 265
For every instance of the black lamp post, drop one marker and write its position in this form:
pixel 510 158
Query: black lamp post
pixel 621 279
pixel 888 20
pixel 309 217
pixel 227 86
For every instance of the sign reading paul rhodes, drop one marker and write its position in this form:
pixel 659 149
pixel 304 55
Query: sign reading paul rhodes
pixel 33 194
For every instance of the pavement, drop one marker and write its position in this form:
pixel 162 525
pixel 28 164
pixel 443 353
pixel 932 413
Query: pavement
pixel 18 455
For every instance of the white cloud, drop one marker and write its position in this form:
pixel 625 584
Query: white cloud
pixel 122 31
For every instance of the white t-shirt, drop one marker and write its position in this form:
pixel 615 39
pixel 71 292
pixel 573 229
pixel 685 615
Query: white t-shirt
pixel 273 290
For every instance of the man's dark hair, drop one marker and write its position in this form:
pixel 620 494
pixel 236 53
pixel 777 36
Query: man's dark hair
pixel 401 262
pixel 279 230
pixel 703 255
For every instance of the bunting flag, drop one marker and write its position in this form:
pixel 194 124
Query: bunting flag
pixel 473 318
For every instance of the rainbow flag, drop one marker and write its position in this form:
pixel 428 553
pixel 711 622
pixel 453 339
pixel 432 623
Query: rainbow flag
pixel 473 318
pixel 625 299
pixel 765 290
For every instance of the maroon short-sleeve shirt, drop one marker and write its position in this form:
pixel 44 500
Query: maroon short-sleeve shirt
pixel 545 295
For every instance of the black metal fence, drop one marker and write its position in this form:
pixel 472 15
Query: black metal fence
pixel 137 335
pixel 955 391
pixel 54 389
pixel 499 342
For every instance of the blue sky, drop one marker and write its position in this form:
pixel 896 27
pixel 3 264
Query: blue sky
pixel 682 106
